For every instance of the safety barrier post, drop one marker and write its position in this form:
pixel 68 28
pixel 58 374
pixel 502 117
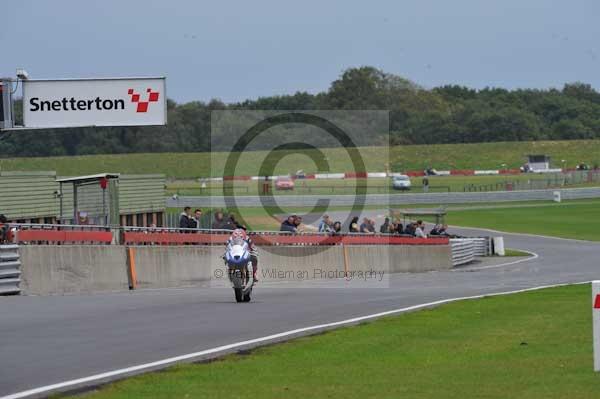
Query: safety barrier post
pixel 596 322
pixel 346 266
pixel 131 273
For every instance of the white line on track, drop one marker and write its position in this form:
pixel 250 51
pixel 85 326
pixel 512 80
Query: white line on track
pixel 532 256
pixel 256 341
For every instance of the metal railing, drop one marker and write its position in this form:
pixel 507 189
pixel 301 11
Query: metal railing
pixel 10 269
pixel 35 233
pixel 29 233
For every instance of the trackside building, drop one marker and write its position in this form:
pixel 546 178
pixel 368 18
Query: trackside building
pixel 42 197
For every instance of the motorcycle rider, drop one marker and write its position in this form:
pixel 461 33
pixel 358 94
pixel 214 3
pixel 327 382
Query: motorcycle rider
pixel 241 235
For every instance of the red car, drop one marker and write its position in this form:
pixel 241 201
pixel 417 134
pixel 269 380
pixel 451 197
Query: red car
pixel 284 183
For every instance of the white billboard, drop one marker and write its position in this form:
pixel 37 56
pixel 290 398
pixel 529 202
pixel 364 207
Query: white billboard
pixel 94 102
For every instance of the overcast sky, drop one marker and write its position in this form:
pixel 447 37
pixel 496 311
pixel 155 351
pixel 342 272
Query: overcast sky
pixel 234 50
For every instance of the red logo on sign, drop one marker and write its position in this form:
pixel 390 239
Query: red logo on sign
pixel 142 106
pixel 597 302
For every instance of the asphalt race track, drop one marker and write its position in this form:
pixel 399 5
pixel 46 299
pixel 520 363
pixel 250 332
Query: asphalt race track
pixel 48 340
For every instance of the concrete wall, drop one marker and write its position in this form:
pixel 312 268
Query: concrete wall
pixel 399 258
pixel 162 266
pixel 53 269
pixel 61 269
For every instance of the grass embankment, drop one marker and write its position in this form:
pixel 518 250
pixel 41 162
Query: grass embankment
pixel 529 345
pixel 414 157
pixel 568 219
pixel 576 219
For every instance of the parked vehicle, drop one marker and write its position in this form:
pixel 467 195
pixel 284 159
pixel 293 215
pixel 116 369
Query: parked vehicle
pixel 284 183
pixel 240 269
pixel 401 182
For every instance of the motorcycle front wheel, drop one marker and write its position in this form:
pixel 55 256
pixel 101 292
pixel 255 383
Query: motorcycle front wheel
pixel 239 295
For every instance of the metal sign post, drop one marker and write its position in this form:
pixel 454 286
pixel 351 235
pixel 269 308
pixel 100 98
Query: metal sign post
pixel 6 104
pixel 596 322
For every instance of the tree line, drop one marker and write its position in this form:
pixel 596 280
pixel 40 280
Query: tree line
pixel 446 114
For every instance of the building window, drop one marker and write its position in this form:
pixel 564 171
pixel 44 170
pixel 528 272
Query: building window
pixel 159 219
pixel 139 220
pixel 129 220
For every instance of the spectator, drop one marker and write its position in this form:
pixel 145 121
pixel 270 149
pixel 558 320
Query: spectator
pixel 219 223
pixel 443 230
pixel 366 227
pixel 435 231
pixel 420 230
pixel 371 226
pixel 337 228
pixel 3 229
pixel 353 228
pixel 399 228
pixel 289 225
pixel 297 223
pixel 195 220
pixel 325 225
pixel 232 224
pixel 185 219
pixel 410 229
pixel 385 227
pixel 425 184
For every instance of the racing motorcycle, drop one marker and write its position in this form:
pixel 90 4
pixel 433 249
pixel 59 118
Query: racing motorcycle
pixel 240 269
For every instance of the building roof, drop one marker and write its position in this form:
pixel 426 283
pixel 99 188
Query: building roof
pixel 79 179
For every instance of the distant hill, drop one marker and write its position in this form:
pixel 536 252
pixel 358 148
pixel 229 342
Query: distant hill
pixel 400 158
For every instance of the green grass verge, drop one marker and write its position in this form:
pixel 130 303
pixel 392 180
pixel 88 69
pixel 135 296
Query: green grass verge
pixel 566 220
pixel 414 157
pixel 515 252
pixel 529 345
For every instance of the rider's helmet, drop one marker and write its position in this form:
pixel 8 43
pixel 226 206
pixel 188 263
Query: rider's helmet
pixel 239 234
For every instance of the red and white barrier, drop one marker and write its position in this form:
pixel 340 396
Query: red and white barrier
pixel 379 175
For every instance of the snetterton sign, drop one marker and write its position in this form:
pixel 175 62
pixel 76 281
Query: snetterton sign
pixel 94 102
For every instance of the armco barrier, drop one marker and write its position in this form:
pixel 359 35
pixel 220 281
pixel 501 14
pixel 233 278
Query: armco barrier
pixel 10 273
pixel 481 245
pixel 463 251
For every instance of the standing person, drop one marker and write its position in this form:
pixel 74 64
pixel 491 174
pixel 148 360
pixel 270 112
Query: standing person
pixel 385 227
pixel 420 230
pixel 410 228
pixel 325 225
pixel 232 224
pixel 399 228
pixel 185 219
pixel 218 223
pixel 337 228
pixel 353 228
pixel 425 184
pixel 3 229
pixel 371 226
pixel 297 223
pixel 366 227
pixel 289 225
pixel 195 221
